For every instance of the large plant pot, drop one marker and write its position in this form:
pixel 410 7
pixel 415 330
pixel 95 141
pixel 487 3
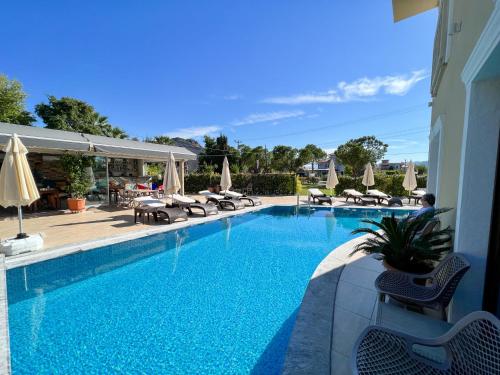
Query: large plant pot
pixel 76 204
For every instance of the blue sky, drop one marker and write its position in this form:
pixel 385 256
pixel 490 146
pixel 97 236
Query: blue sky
pixel 261 72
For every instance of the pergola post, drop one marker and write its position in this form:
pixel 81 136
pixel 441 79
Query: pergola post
pixel 181 173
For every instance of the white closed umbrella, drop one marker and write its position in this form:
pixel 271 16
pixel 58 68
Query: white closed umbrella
pixel 17 185
pixel 225 178
pixel 332 180
pixel 171 182
pixel 410 181
pixel 368 179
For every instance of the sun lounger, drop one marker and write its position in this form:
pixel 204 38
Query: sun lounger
pixel 145 206
pixel 170 214
pixel 253 201
pixel 221 201
pixel 318 195
pixel 190 203
pixel 379 195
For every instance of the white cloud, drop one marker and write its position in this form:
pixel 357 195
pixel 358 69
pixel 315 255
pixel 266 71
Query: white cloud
pixel 267 117
pixel 360 89
pixel 194 132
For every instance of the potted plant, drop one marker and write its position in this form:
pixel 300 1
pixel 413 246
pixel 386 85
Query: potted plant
pixel 405 244
pixel 79 181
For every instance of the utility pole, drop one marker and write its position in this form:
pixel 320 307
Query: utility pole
pixel 265 157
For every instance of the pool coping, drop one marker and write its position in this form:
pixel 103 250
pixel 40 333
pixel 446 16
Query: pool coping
pixel 5 367
pixel 310 347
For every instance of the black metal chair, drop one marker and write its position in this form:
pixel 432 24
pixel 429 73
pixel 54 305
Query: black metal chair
pixel 433 290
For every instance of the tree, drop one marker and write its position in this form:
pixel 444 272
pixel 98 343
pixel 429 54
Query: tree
pixel 12 107
pixel 77 116
pixel 215 151
pixel 356 153
pixel 310 154
pixel 284 159
pixel 161 140
pixel 421 169
pixel 252 159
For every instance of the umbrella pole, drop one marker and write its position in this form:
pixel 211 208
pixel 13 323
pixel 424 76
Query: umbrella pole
pixel 21 233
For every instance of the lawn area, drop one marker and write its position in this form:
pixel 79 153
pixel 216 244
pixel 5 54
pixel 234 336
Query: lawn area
pixel 304 191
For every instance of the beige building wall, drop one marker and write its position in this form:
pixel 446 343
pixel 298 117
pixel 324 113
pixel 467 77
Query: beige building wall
pixel 449 104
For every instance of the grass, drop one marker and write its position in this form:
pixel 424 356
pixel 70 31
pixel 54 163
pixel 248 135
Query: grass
pixel 310 186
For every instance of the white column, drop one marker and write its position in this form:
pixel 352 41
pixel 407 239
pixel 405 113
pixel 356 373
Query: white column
pixel 181 175
pixel 477 180
pixel 141 168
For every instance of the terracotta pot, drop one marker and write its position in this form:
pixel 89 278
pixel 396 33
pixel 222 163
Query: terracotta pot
pixel 76 204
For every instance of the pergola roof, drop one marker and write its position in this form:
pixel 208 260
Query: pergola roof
pixel 56 141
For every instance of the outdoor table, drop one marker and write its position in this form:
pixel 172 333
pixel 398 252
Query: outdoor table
pixel 52 196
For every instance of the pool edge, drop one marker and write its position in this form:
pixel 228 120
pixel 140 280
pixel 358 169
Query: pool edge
pixel 310 346
pixel 5 367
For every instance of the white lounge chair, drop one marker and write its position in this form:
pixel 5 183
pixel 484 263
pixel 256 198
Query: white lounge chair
pixel 189 203
pixel 253 201
pixel 379 195
pixel 358 197
pixel 318 195
pixel 221 201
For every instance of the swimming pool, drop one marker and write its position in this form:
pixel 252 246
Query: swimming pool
pixel 214 298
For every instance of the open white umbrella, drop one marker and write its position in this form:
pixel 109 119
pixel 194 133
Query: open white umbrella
pixel 368 179
pixel 331 180
pixel 410 181
pixel 225 178
pixel 171 182
pixel 17 185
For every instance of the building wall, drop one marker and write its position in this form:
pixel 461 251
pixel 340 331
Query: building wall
pixel 449 103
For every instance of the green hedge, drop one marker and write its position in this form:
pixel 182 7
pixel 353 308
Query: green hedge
pixel 389 184
pixel 264 184
pixel 285 184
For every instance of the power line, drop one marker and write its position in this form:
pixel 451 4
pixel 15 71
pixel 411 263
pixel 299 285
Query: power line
pixel 419 107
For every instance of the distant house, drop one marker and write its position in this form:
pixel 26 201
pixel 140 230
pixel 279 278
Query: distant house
pixel 320 168
pixel 194 147
pixel 386 165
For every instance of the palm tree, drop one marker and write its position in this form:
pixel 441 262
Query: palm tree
pixel 406 244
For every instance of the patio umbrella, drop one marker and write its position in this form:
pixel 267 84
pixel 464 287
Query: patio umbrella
pixel 331 180
pixel 410 181
pixel 171 183
pixel 225 178
pixel 17 186
pixel 368 179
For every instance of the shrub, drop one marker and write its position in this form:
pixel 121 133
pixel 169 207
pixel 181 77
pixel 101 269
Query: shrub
pixel 264 184
pixel 389 184
pixel 403 244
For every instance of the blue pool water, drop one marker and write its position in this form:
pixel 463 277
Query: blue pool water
pixel 214 298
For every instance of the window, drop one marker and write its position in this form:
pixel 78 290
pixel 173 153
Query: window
pixel 440 55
